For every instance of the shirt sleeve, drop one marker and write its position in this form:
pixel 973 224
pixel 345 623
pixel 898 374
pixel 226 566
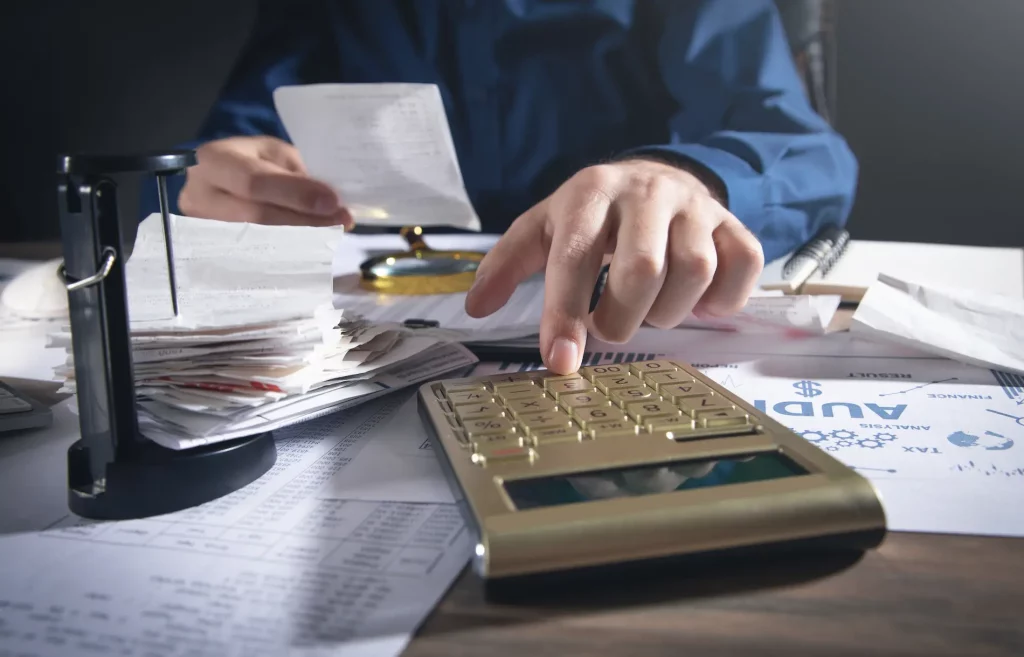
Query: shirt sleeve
pixel 283 49
pixel 745 118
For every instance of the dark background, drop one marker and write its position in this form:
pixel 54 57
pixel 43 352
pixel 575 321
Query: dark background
pixel 931 94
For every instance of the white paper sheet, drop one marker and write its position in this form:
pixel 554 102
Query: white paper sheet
pixel 228 274
pixel 965 325
pixel 399 464
pixel 519 317
pixel 273 569
pixel 385 148
pixel 942 441
pixel 988 269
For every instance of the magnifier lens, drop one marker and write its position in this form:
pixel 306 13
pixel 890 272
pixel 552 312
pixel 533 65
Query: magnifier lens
pixel 436 266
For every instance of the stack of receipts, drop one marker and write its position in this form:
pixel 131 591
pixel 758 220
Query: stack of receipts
pixel 257 343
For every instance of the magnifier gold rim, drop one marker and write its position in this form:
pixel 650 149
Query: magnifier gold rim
pixel 418 283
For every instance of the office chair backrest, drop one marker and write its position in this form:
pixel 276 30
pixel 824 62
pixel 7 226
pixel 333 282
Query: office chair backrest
pixel 810 26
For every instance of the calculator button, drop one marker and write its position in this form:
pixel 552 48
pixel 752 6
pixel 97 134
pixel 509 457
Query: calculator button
pixel 14 405
pixel 679 391
pixel 597 414
pixel 461 385
pixel 479 410
pixel 562 434
pixel 506 397
pixel 659 379
pixel 4 393
pixel 491 441
pixel 582 399
pixel 532 422
pixel 629 395
pixel 510 380
pixel 644 412
pixel 694 406
pixel 562 385
pixel 470 397
pixel 531 405
pixel 595 371
pixel 614 429
pixel 671 423
pixel 504 454
pixel 519 391
pixel 652 367
pixel 617 382
pixel 487 425
pixel 723 418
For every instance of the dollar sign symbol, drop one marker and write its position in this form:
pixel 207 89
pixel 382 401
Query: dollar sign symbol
pixel 807 388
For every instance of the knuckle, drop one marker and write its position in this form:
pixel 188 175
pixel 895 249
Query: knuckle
pixel 747 250
pixel 656 186
pixel 599 176
pixel 696 266
pixel 643 266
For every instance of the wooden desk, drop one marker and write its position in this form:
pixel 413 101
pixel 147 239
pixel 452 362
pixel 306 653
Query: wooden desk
pixel 928 595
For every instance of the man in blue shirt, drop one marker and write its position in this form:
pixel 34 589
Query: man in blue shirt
pixel 672 135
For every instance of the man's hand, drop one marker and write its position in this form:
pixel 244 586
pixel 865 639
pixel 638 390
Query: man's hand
pixel 675 250
pixel 260 180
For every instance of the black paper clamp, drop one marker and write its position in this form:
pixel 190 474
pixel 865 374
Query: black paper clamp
pixel 115 472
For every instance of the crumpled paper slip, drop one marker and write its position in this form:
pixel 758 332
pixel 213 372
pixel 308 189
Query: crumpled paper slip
pixel 972 327
pixel 776 313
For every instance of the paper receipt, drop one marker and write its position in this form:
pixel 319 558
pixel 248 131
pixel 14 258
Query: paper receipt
pixel 386 149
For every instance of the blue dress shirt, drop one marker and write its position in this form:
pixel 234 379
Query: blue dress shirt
pixel 535 90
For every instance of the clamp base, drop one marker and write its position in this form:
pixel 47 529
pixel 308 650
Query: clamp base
pixel 158 480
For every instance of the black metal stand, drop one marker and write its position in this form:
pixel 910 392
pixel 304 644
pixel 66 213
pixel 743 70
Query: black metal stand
pixel 114 472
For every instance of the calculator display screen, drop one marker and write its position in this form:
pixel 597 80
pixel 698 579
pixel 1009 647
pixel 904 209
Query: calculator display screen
pixel 648 479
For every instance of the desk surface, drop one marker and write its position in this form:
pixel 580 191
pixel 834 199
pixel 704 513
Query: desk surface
pixel 917 595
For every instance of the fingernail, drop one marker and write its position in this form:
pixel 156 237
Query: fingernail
pixel 473 307
pixel 563 356
pixel 478 280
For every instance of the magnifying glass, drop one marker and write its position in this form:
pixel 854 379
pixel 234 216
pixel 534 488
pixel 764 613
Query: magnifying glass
pixel 420 270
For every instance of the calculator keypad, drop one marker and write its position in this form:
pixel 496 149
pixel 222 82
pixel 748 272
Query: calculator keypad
pixel 514 417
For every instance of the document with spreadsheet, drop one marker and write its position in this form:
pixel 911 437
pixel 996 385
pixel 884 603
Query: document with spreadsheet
pixel 280 567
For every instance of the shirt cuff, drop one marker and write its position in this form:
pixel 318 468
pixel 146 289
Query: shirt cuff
pixel 743 187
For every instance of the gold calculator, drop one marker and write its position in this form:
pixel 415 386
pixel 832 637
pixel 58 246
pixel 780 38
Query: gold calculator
pixel 627 462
